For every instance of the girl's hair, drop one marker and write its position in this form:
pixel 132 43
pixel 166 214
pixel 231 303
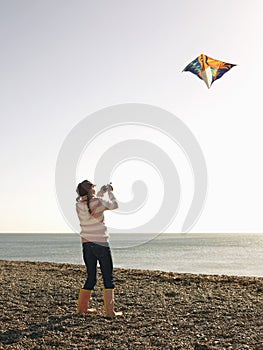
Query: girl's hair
pixel 83 188
pixel 88 199
pixel 85 191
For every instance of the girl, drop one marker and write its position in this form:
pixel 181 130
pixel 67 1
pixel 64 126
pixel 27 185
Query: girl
pixel 95 244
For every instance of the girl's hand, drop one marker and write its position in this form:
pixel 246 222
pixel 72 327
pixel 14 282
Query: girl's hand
pixel 100 194
pixel 110 188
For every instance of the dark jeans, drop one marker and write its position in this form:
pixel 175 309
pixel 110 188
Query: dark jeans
pixel 92 253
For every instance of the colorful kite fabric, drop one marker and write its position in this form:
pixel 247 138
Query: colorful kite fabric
pixel 208 69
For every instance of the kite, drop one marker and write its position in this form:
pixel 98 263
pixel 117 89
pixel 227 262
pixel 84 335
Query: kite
pixel 208 69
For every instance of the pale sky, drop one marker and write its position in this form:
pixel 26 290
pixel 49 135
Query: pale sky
pixel 63 60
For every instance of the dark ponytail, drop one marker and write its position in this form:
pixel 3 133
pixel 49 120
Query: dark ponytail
pixel 88 199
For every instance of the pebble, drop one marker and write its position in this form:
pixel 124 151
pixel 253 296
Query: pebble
pixel 160 310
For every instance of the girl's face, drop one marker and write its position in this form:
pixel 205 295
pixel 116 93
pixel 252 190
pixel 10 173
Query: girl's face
pixel 92 191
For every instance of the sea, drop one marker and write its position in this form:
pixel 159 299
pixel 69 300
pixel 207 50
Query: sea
pixel 238 254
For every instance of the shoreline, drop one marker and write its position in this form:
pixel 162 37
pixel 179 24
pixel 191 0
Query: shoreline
pixel 135 269
pixel 161 310
pixel 197 254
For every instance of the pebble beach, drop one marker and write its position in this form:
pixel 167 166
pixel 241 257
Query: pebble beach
pixel 161 310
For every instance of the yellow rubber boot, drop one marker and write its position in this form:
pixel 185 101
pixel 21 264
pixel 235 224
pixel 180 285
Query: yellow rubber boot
pixel 83 302
pixel 109 303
